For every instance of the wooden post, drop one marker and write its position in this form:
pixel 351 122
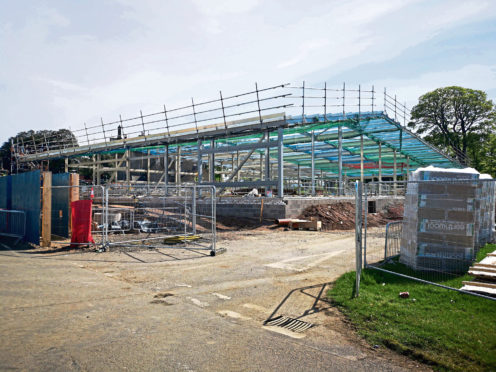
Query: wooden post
pixel 66 165
pixel 46 212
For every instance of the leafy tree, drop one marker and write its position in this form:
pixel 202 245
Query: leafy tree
pixel 487 155
pixel 455 119
pixel 38 141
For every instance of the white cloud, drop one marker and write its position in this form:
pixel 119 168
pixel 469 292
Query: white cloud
pixel 481 77
pixel 223 7
pixel 166 52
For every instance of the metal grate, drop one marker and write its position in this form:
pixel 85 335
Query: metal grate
pixel 294 325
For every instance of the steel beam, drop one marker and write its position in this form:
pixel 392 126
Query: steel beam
pixel 242 147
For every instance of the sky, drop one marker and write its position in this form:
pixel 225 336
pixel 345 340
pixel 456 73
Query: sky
pixel 64 63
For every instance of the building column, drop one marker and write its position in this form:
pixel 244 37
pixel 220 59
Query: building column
pixel 93 168
pixel 148 167
pixel 116 171
pixel 299 179
pixel 166 167
pixel 280 162
pixel 211 163
pixel 178 165
pixel 98 165
pixel 407 168
pixel 394 171
pixel 128 166
pixel 361 158
pixel 340 160
pixel 380 168
pixel 313 163
pixel 199 165
pixel 267 160
pixel 261 167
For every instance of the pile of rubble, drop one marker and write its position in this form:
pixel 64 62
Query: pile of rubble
pixel 341 216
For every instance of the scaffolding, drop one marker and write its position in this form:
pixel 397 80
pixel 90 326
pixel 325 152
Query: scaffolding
pixel 283 137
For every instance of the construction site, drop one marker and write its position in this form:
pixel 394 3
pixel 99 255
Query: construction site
pixel 232 209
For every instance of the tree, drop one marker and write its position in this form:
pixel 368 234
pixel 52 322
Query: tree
pixel 454 118
pixel 487 155
pixel 38 141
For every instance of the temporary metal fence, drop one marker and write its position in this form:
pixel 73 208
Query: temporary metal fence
pixel 392 240
pixel 446 223
pixel 13 224
pixel 138 216
pixel 165 216
pixel 321 188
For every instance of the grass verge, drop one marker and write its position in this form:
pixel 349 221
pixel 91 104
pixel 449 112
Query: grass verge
pixel 445 329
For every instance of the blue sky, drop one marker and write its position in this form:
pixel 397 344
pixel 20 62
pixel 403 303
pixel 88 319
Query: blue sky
pixel 63 63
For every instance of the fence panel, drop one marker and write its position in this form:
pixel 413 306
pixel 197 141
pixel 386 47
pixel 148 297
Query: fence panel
pixel 26 196
pixel 447 220
pixel 13 224
pixel 161 216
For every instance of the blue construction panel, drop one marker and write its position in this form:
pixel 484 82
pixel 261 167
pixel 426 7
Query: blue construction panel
pixel 26 194
pixel 60 204
pixel 6 192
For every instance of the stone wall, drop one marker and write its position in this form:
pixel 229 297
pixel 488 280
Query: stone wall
pixel 289 207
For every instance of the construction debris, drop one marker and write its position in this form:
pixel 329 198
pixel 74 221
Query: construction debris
pixel 485 276
pixel 313 224
pixel 341 216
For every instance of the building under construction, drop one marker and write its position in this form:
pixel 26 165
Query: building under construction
pixel 282 139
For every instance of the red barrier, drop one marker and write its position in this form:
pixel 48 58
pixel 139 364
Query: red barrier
pixel 81 222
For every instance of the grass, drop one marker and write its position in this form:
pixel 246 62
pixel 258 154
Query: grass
pixel 445 329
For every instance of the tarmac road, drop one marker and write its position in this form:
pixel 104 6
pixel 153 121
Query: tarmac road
pixel 179 310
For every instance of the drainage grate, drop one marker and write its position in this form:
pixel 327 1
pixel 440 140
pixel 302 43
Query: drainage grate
pixel 294 325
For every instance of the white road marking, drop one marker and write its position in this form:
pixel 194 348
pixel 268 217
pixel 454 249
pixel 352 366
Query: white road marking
pixel 198 302
pixel 256 307
pixel 232 314
pixel 284 332
pixel 221 296
pixel 292 263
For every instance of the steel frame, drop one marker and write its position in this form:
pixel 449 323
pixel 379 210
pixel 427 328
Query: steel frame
pixel 245 150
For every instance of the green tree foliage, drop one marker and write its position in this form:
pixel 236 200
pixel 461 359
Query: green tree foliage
pixel 487 155
pixel 456 119
pixel 38 141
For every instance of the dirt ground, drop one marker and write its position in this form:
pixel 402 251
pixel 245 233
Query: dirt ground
pixel 177 309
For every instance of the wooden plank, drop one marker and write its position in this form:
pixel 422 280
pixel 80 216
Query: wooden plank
pixel 46 212
pixel 307 225
pixel 483 290
pixel 488 266
pixel 484 268
pixel 480 284
pixel 483 274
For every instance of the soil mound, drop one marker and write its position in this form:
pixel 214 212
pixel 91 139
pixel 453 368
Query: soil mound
pixel 341 216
